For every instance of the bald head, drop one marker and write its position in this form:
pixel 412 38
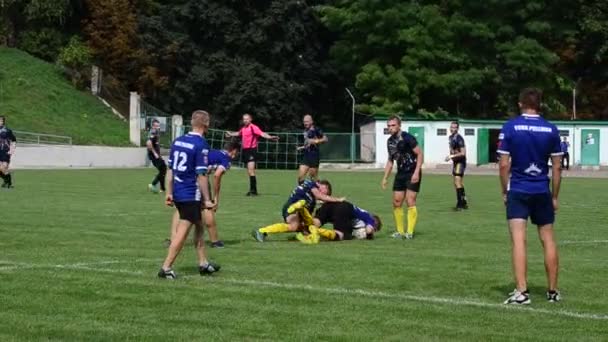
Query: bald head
pixel 247 119
pixel 200 119
pixel 307 121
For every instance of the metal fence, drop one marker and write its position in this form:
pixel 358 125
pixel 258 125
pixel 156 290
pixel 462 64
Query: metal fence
pixel 41 139
pixel 282 154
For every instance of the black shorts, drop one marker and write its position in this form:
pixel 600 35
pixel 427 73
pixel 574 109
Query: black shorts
pixel 403 182
pixel 458 168
pixel 159 164
pixel 538 207
pixel 340 214
pixel 5 157
pixel 311 160
pixel 189 211
pixel 249 155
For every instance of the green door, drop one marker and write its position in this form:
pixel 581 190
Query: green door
pixel 483 150
pixel 418 133
pixel 590 152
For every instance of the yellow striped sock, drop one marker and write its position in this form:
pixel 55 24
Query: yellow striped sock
pixel 398 214
pixel 275 228
pixel 412 219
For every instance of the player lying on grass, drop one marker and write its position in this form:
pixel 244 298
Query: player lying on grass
pixel 309 192
pixel 219 163
pixel 348 220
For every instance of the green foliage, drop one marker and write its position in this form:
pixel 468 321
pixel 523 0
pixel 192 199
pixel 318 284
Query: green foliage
pixel 76 55
pixel 267 58
pixel 440 54
pixel 44 44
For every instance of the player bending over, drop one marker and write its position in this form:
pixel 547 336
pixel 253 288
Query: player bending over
pixel 219 163
pixel 309 192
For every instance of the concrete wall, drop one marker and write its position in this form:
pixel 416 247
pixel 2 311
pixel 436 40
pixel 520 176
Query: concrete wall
pixel 49 156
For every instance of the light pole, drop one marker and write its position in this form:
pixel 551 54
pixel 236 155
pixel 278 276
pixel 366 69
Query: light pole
pixel 352 129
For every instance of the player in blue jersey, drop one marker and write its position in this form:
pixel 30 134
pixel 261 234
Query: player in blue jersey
pixel 345 218
pixel 219 163
pixel 188 188
pixel 311 156
pixel 526 144
pixel 293 220
pixel 404 150
pixel 8 143
pixel 458 156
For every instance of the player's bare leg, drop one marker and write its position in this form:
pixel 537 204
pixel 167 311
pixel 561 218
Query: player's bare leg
pixel 314 173
pixel 209 217
pixel 177 243
pixel 205 267
pixel 302 171
pixel 551 255
pixel 199 244
pixel 517 228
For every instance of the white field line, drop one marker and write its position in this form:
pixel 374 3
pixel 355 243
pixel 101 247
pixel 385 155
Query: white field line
pixel 327 290
pixel 587 242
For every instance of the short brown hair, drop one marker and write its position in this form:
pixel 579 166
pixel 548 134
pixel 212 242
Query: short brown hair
pixel 531 98
pixel 394 117
pixel 328 184
pixel 200 118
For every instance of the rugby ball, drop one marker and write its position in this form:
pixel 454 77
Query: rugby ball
pixel 359 234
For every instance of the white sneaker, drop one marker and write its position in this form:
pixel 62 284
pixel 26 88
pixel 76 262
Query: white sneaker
pixel 408 236
pixel 397 235
pixel 518 298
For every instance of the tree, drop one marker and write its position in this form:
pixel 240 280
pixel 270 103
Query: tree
pixel 467 58
pixel 112 34
pixel 268 58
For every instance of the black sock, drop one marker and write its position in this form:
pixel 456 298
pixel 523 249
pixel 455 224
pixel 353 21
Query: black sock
pixel 462 196
pixel 253 184
pixel 3 176
pixel 8 179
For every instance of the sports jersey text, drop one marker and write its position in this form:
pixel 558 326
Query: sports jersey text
pixel 533 128
pixel 184 144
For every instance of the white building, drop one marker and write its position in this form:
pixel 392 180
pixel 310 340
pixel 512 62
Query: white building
pixel 588 140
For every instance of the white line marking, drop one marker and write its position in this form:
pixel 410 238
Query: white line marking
pixel 574 242
pixel 328 290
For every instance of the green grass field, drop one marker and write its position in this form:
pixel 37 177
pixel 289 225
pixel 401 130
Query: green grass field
pixel 80 251
pixel 36 97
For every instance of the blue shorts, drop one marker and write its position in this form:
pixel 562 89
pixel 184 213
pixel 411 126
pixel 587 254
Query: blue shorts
pixel 538 207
